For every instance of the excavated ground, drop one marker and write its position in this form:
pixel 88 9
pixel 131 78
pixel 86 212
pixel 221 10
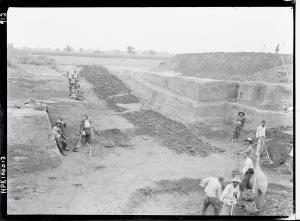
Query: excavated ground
pixel 151 178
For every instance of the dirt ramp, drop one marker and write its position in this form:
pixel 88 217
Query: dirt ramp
pixel 31 145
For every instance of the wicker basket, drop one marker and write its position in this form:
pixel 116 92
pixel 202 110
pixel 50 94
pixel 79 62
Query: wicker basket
pixel 248 195
pixel 251 208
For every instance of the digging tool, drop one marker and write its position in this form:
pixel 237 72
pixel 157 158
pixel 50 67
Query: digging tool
pixel 70 136
pixel 79 142
pixel 90 150
pixel 69 143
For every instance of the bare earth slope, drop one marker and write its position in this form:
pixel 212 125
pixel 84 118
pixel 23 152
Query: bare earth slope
pixel 231 66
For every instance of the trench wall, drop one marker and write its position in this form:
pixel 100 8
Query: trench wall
pixel 192 100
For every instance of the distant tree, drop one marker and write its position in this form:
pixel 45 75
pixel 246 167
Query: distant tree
pixel 130 50
pixel 68 48
pixel 97 51
pixel 277 49
pixel 57 49
pixel 80 49
pixel 152 52
pixel 10 45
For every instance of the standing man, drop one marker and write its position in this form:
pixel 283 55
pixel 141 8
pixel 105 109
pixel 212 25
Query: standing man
pixel 213 191
pixel 260 184
pixel 260 136
pixel 240 122
pixel 248 163
pixel 229 196
pixel 75 75
pixel 86 129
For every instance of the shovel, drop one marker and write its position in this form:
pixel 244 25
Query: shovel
pixel 90 150
pixel 79 142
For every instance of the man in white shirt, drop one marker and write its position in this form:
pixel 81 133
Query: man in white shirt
pixel 229 196
pixel 260 136
pixel 213 190
pixel 248 163
pixel 86 129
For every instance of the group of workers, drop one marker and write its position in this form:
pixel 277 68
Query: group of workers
pixel 59 131
pixel 225 201
pixel 74 86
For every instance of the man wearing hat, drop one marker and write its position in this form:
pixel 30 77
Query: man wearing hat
pixel 229 196
pixel 61 143
pixel 239 125
pixel 62 124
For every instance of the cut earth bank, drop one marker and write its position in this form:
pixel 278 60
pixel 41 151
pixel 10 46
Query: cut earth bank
pixel 145 178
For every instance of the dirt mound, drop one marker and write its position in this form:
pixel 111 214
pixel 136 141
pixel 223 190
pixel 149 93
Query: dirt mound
pixel 116 136
pixel 278 201
pixel 173 134
pixel 15 56
pixel 279 145
pixel 234 66
pixel 107 86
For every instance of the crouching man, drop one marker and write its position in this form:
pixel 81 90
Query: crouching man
pixel 213 191
pixel 229 196
pixel 61 143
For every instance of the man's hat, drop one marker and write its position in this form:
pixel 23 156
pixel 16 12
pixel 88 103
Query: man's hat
pixel 241 112
pixel 236 179
pixel 249 139
pixel 58 122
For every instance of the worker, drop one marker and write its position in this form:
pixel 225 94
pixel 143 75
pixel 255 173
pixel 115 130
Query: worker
pixel 61 143
pixel 86 129
pixel 229 196
pixel 239 125
pixel 260 187
pixel 69 76
pixel 260 136
pixel 75 75
pixel 248 162
pixel 63 124
pixel 213 191
pixel 246 184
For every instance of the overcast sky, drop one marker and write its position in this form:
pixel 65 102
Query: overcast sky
pixel 174 30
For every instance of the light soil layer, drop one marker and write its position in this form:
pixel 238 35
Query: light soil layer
pixel 28 131
pixel 192 100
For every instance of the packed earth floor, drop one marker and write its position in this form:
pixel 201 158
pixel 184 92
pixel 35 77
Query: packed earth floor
pixel 156 171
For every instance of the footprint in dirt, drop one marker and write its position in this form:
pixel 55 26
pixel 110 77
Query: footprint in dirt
pixel 77 184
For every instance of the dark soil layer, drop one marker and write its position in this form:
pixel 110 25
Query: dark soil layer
pixel 173 134
pixel 278 201
pixel 107 85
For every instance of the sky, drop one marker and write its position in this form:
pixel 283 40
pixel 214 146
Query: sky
pixel 173 30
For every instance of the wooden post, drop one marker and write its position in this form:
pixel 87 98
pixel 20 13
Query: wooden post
pixel 286 74
pixel 256 167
